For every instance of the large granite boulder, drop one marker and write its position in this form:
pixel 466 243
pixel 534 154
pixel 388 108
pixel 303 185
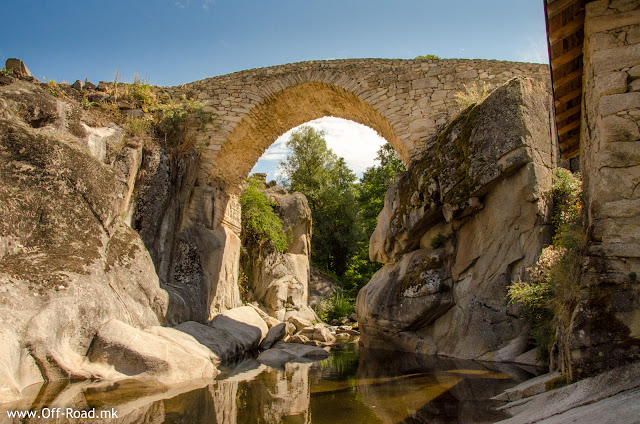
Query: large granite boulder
pixel 466 219
pixel 410 294
pixel 230 334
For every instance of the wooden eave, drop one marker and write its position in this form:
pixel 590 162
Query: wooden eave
pixel 565 37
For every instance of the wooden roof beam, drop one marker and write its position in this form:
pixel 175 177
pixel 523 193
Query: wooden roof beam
pixel 557 6
pixel 570 96
pixel 566 57
pixel 567 78
pixel 571 28
pixel 567 113
pixel 571 126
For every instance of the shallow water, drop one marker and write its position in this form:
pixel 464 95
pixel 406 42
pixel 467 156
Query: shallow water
pixel 350 386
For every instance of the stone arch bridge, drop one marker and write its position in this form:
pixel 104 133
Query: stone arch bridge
pixel 405 101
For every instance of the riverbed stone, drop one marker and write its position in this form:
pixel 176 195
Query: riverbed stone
pixel 163 354
pixel 275 334
pixel 318 333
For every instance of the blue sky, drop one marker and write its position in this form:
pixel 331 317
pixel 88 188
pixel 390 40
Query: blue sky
pixel 173 42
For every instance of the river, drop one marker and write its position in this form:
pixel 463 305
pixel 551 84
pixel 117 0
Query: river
pixel 351 386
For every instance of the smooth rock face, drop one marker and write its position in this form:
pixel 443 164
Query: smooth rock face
pixel 320 287
pixel 611 397
pixel 163 354
pixel 460 225
pixel 229 334
pixel 408 295
pixel 196 257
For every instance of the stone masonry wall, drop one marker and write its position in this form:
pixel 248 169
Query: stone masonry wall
pixel 605 327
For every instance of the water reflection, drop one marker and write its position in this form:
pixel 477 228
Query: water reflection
pixel 348 387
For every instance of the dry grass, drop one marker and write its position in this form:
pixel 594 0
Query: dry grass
pixel 472 94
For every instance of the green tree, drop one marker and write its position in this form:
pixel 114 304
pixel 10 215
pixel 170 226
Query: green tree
pixel 372 189
pixel 374 184
pixel 306 168
pixel 314 170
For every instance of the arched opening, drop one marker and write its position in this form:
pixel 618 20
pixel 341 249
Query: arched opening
pixel 341 211
pixel 356 143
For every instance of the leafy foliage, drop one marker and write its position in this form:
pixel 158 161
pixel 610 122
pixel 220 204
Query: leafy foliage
pixel 313 169
pixel 138 126
pixel 173 120
pixel 260 221
pixel 372 189
pixel 438 241
pixel 344 211
pixel 551 291
pixel 54 89
pixel 428 56
pixel 337 306
pixel 142 92
pixel 86 104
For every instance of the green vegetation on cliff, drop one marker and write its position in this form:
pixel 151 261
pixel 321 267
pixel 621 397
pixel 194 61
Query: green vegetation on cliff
pixel 551 290
pixel 260 222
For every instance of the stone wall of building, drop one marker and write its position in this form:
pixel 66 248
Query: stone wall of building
pixel 605 326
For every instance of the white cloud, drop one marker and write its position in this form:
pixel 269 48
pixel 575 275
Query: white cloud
pixel 356 143
pixel 535 52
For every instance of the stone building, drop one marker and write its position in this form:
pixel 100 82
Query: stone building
pixel 595 61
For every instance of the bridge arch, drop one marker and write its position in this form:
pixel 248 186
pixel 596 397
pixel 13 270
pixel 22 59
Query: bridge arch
pixel 288 109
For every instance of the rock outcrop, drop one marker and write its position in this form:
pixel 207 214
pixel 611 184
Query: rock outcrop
pixel 68 263
pixel 81 296
pixel 464 221
pixel 279 282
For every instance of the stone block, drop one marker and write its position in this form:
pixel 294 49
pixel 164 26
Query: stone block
pixel 17 66
pixel 635 86
pixel 610 83
pixel 425 83
pixel 617 129
pixel 615 103
pixel 633 35
pixel 634 72
pixel 602 41
pixel 604 23
pixel 625 208
pixel 439 95
pixel 615 59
